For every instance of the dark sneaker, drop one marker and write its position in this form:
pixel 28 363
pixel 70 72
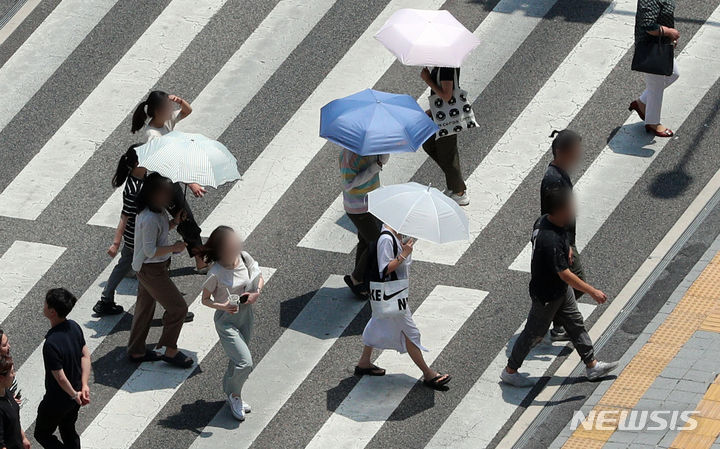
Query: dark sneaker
pixel 107 308
pixel 157 322
pixel 559 334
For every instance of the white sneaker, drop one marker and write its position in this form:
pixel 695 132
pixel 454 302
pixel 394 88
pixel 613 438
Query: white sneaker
pixel 600 369
pixel 516 379
pixel 246 407
pixel 462 200
pixel 237 407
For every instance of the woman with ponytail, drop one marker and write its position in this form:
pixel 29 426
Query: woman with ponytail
pixel 232 286
pixel 159 109
pixel 132 176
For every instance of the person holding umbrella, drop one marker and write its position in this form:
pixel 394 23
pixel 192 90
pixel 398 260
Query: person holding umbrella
pixel 158 107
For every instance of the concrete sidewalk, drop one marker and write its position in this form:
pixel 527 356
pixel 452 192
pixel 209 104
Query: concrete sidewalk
pixel 671 369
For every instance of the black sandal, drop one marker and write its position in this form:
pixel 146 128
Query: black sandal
pixel 179 360
pixel 372 371
pixel 150 356
pixel 356 289
pixel 438 382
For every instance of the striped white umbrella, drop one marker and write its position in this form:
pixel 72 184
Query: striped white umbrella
pixel 189 158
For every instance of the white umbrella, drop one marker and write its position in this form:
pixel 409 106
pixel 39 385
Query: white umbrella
pixel 189 158
pixel 427 38
pixel 419 211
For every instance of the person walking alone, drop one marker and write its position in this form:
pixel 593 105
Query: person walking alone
pixel 655 18
pixel 151 262
pixel 232 287
pixel 360 176
pixel 551 292
pixel 163 117
pixel 444 150
pixel 399 333
pixel 11 434
pixel 67 371
pixel 129 173
pixel 566 150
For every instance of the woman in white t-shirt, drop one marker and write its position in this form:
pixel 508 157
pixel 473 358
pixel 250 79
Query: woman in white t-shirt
pixel 233 285
pixel 159 108
pixel 400 333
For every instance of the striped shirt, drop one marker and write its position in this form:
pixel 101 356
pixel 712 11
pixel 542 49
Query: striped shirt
pixel 130 193
pixel 650 15
pixel 360 175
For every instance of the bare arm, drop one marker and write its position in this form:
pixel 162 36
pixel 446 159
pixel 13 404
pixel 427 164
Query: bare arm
pixel 444 90
pixel 208 302
pixel 64 383
pixel 117 239
pixel 575 282
pixel 185 108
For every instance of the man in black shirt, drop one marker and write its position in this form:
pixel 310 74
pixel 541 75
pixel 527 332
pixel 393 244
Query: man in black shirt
pixel 67 371
pixel 551 291
pixel 566 149
pixel 11 433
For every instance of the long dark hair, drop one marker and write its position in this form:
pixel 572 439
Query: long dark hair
pixel 153 183
pixel 564 140
pixel 126 164
pixel 147 108
pixel 210 251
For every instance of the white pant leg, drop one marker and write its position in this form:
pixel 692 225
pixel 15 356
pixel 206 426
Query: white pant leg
pixel 652 97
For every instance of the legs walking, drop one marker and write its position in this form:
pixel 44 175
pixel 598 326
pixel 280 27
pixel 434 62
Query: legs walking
pixel 52 417
pixel 123 267
pixel 538 322
pixel 574 324
pixel 144 311
pixel 368 229
pixel 234 338
pixel 652 97
pixel 444 152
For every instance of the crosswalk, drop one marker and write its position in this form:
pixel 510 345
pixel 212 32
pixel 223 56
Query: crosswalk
pixel 444 311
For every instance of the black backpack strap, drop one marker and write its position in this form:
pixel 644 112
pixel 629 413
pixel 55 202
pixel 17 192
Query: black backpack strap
pixel 393 275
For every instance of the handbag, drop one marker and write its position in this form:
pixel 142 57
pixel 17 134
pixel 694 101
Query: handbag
pixel 655 57
pixel 389 299
pixel 454 115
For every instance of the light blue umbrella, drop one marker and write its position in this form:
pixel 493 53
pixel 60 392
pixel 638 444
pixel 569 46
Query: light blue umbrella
pixel 373 122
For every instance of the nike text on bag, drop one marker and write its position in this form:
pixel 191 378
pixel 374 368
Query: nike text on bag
pixel 454 115
pixel 389 299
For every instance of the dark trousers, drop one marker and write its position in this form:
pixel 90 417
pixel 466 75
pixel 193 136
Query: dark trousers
pixel 577 269
pixel 538 322
pixel 444 152
pixel 188 229
pixel 368 230
pixel 57 415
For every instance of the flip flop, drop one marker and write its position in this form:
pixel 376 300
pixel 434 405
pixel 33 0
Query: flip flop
pixel 150 356
pixel 436 383
pixel 179 360
pixel 372 371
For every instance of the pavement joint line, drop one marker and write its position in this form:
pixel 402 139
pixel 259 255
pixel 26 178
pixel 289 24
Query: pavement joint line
pixel 644 277
pixel 708 428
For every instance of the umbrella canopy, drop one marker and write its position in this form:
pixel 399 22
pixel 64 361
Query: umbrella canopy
pixel 427 38
pixel 189 158
pixel 419 211
pixel 373 122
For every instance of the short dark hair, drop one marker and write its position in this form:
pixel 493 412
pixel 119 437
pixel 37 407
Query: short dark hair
pixel 154 182
pixel 61 301
pixel 564 140
pixel 558 199
pixel 6 364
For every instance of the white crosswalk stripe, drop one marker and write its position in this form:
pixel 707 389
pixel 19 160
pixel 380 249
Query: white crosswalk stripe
pixel 489 404
pixel 255 62
pixel 373 399
pixel 631 151
pixel 74 143
pixel 553 107
pixel 45 50
pixel 151 386
pixel 311 334
pixel 502 32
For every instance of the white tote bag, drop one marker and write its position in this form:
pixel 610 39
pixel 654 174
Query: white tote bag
pixel 389 299
pixel 456 114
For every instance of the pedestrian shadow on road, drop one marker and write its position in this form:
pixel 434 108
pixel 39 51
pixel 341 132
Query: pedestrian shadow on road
pixel 631 140
pixel 568 13
pixel 195 416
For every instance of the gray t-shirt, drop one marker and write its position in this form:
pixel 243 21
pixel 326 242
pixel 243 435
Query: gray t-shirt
pixel 221 281
pixel 151 231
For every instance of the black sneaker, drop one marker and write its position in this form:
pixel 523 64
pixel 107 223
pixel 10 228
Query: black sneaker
pixel 107 308
pixel 559 334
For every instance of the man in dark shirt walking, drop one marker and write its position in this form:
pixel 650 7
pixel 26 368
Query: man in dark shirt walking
pixel 11 433
pixel 566 149
pixel 67 371
pixel 551 291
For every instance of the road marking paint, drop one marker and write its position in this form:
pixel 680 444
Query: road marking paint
pixel 151 386
pixel 223 98
pixel 62 157
pixel 311 334
pixel 366 408
pixel 502 32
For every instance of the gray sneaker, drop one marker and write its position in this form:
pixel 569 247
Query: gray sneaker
pixel 601 369
pixel 516 380
pixel 462 200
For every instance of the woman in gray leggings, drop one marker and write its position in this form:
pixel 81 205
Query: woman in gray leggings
pixel 233 285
